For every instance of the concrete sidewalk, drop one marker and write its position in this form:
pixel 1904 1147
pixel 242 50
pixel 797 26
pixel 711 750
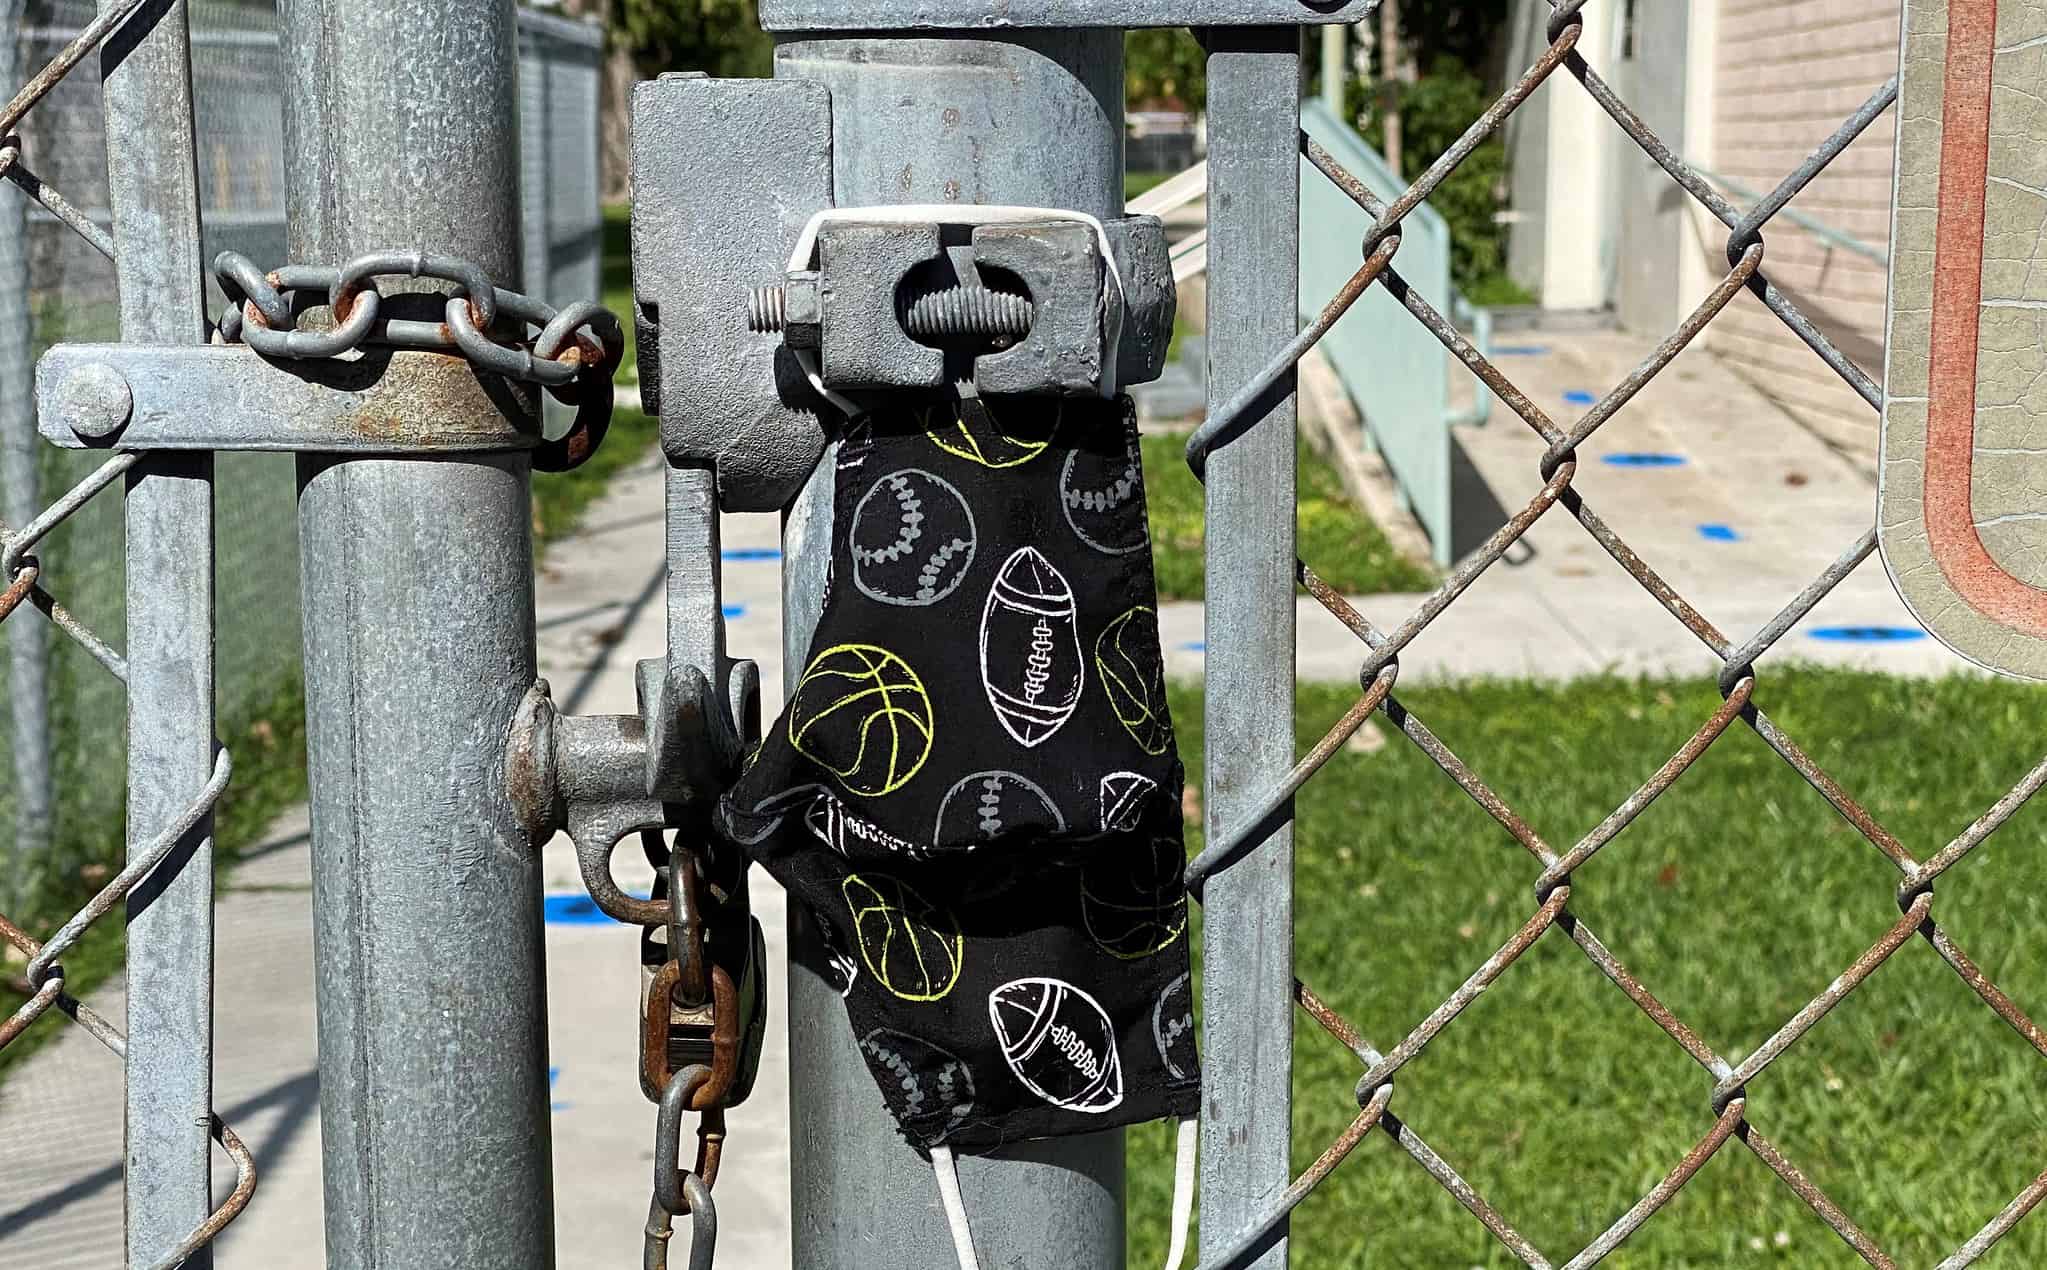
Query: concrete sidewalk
pixel 1749 510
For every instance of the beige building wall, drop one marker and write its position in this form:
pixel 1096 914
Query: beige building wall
pixel 1785 73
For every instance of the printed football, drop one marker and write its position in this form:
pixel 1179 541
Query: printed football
pixel 856 837
pixel 1122 799
pixel 1059 1043
pixel 1030 648
pixel 988 805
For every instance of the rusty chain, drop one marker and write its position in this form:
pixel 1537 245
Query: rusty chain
pixel 1729 1091
pixel 573 356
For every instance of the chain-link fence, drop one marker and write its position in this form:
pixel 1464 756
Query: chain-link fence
pixel 64 715
pixel 1898 917
pixel 1900 914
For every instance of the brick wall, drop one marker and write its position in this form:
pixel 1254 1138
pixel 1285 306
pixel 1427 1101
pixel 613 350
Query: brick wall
pixel 1786 73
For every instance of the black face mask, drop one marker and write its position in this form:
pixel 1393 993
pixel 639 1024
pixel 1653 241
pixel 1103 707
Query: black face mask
pixel 974 787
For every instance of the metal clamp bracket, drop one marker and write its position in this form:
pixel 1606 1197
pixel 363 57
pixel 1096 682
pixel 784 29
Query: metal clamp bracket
pixel 382 401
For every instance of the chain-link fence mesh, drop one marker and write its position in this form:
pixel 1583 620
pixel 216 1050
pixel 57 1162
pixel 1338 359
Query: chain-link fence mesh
pixel 1726 1084
pixel 64 743
pixel 64 718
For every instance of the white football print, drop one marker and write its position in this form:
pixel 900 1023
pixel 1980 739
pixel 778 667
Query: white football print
pixel 1122 800
pixel 928 1083
pixel 987 805
pixel 1172 1029
pixel 1102 497
pixel 912 539
pixel 853 837
pixel 1059 1043
pixel 1030 648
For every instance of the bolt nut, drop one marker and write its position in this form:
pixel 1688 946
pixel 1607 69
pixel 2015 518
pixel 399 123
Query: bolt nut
pixel 803 312
pixel 95 401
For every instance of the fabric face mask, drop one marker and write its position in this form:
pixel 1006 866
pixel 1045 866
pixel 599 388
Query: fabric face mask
pixel 974 787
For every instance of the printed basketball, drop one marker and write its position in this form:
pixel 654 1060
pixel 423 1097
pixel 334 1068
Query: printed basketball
pixel 1172 1029
pixel 963 435
pixel 1059 1043
pixel 924 1083
pixel 912 539
pixel 863 715
pixel 1030 648
pixel 1133 901
pixel 1127 660
pixel 1122 800
pixel 853 836
pixel 1103 498
pixel 912 949
pixel 988 805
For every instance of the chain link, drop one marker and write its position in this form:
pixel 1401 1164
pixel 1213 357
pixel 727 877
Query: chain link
pixel 573 355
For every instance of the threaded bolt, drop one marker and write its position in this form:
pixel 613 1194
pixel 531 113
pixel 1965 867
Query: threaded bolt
pixel 953 313
pixel 968 312
pixel 767 310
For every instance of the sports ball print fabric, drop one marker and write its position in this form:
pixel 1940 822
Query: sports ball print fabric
pixel 973 791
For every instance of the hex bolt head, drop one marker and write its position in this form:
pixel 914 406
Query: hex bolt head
pixel 96 401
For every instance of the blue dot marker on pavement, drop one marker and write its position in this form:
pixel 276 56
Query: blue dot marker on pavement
pixel 572 908
pixel 1579 397
pixel 554 1074
pixel 1719 533
pixel 1643 459
pixel 1868 634
pixel 1194 646
pixel 733 610
pixel 1521 350
pixel 751 553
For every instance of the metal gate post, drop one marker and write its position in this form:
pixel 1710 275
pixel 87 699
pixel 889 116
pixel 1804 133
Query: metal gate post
pixel 1020 117
pixel 153 190
pixel 28 643
pixel 1253 296
pixel 401 133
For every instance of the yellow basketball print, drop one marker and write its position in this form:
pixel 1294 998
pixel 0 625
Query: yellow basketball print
pixel 990 446
pixel 863 715
pixel 911 948
pixel 1133 900
pixel 1130 671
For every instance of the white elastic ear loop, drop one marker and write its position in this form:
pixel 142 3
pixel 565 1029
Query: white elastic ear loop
pixel 948 1173
pixel 1183 1191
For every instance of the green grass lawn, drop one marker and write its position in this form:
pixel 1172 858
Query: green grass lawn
pixel 1736 897
pixel 1332 529
pixel 617 281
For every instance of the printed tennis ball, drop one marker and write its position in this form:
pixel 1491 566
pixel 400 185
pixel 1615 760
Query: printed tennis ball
pixel 912 539
pixel 1103 498
pixel 1031 662
pixel 1132 900
pixel 963 434
pixel 924 1083
pixel 1059 1043
pixel 912 949
pixel 1172 1029
pixel 863 715
pixel 1121 799
pixel 1132 673
pixel 987 805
